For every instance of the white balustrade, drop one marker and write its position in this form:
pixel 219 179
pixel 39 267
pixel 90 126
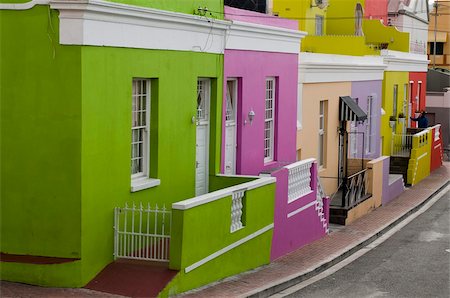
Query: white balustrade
pixel 236 210
pixel 299 179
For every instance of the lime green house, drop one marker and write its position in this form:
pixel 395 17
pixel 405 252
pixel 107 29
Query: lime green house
pixel 107 107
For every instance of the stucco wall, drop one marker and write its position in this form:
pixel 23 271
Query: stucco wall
pixel 390 79
pixel 414 78
pixel 361 91
pixel 252 69
pixel 308 136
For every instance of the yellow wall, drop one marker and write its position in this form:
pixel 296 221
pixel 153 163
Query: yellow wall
pixel 301 11
pixel 390 79
pixel 308 136
pixel 419 163
pixel 341 17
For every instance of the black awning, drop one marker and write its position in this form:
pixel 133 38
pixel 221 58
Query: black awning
pixel 349 110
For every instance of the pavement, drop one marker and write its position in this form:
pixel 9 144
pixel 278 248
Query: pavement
pixel 299 265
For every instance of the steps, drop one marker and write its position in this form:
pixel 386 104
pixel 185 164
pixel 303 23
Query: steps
pixel 399 165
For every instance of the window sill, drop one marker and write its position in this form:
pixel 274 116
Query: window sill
pixel 143 183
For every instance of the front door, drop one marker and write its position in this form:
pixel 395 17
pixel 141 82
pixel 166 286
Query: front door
pixel 202 137
pixel 230 127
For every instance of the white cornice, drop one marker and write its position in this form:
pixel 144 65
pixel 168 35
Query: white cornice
pixel 402 61
pixel 320 68
pixel 23 6
pixel 257 37
pixel 101 23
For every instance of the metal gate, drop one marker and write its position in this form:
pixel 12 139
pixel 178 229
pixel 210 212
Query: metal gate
pixel 142 233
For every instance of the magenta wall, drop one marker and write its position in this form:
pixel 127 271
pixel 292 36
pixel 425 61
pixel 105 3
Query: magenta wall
pixel 251 68
pixel 300 229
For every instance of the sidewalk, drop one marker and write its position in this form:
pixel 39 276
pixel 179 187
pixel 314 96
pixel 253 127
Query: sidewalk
pixel 297 266
pixel 318 256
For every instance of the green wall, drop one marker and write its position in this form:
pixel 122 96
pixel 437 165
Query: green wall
pixel 106 132
pixel 66 141
pixel 215 7
pixel 40 137
pixel 206 230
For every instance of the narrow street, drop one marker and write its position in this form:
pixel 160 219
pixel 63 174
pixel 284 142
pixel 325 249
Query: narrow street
pixel 414 262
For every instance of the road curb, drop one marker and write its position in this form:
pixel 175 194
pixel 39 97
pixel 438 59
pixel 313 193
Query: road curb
pixel 268 291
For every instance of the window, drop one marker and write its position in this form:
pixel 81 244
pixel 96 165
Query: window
pixel 140 136
pixel 322 132
pixel 231 100
pixel 369 126
pixel 269 120
pixel 394 104
pixel 419 90
pixel 319 25
pixel 439 48
pixel 353 137
pixel 358 20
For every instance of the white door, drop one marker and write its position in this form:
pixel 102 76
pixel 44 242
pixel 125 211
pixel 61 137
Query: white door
pixel 230 127
pixel 202 137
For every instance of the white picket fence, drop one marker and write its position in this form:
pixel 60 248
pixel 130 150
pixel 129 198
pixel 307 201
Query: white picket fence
pixel 142 233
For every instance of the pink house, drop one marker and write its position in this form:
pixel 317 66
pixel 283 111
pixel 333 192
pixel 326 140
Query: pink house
pixel 260 118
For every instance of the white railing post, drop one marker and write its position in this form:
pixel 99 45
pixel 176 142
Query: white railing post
pixel 236 210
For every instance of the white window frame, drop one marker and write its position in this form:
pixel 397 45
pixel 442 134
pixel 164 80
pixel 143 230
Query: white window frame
pixel 419 89
pixel 140 180
pixel 369 126
pixel 322 134
pixel 270 98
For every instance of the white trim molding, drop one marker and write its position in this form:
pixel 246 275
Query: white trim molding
pixel 321 68
pixel 219 194
pixel 403 61
pixel 102 23
pixel 256 37
pixel 228 248
pixel 23 6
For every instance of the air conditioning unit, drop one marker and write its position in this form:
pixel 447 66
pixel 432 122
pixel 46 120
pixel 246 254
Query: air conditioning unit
pixel 321 3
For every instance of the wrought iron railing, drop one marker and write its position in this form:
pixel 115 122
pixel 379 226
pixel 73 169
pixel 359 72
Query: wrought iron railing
pixel 355 188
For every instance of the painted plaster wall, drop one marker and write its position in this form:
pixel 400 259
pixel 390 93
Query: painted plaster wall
pixel 76 150
pixel 300 10
pixel 308 136
pixel 391 78
pixel 361 91
pixel 291 233
pixel 341 17
pixel 199 223
pixel 215 7
pixel 376 9
pixel 414 78
pixel 106 108
pixel 436 148
pixel 40 137
pixel 242 15
pixel 252 68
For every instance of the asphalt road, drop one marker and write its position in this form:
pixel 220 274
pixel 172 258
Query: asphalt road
pixel 414 262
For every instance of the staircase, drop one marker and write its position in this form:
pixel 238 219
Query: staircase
pixel 399 165
pixel 321 214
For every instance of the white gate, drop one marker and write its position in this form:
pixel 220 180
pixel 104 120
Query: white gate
pixel 142 233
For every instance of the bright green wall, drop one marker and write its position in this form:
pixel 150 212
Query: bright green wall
pixel 206 230
pixel 40 137
pixel 215 7
pixel 390 79
pixel 66 140
pixel 301 11
pixel 106 132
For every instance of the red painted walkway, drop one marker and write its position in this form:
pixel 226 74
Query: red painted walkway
pixel 133 278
